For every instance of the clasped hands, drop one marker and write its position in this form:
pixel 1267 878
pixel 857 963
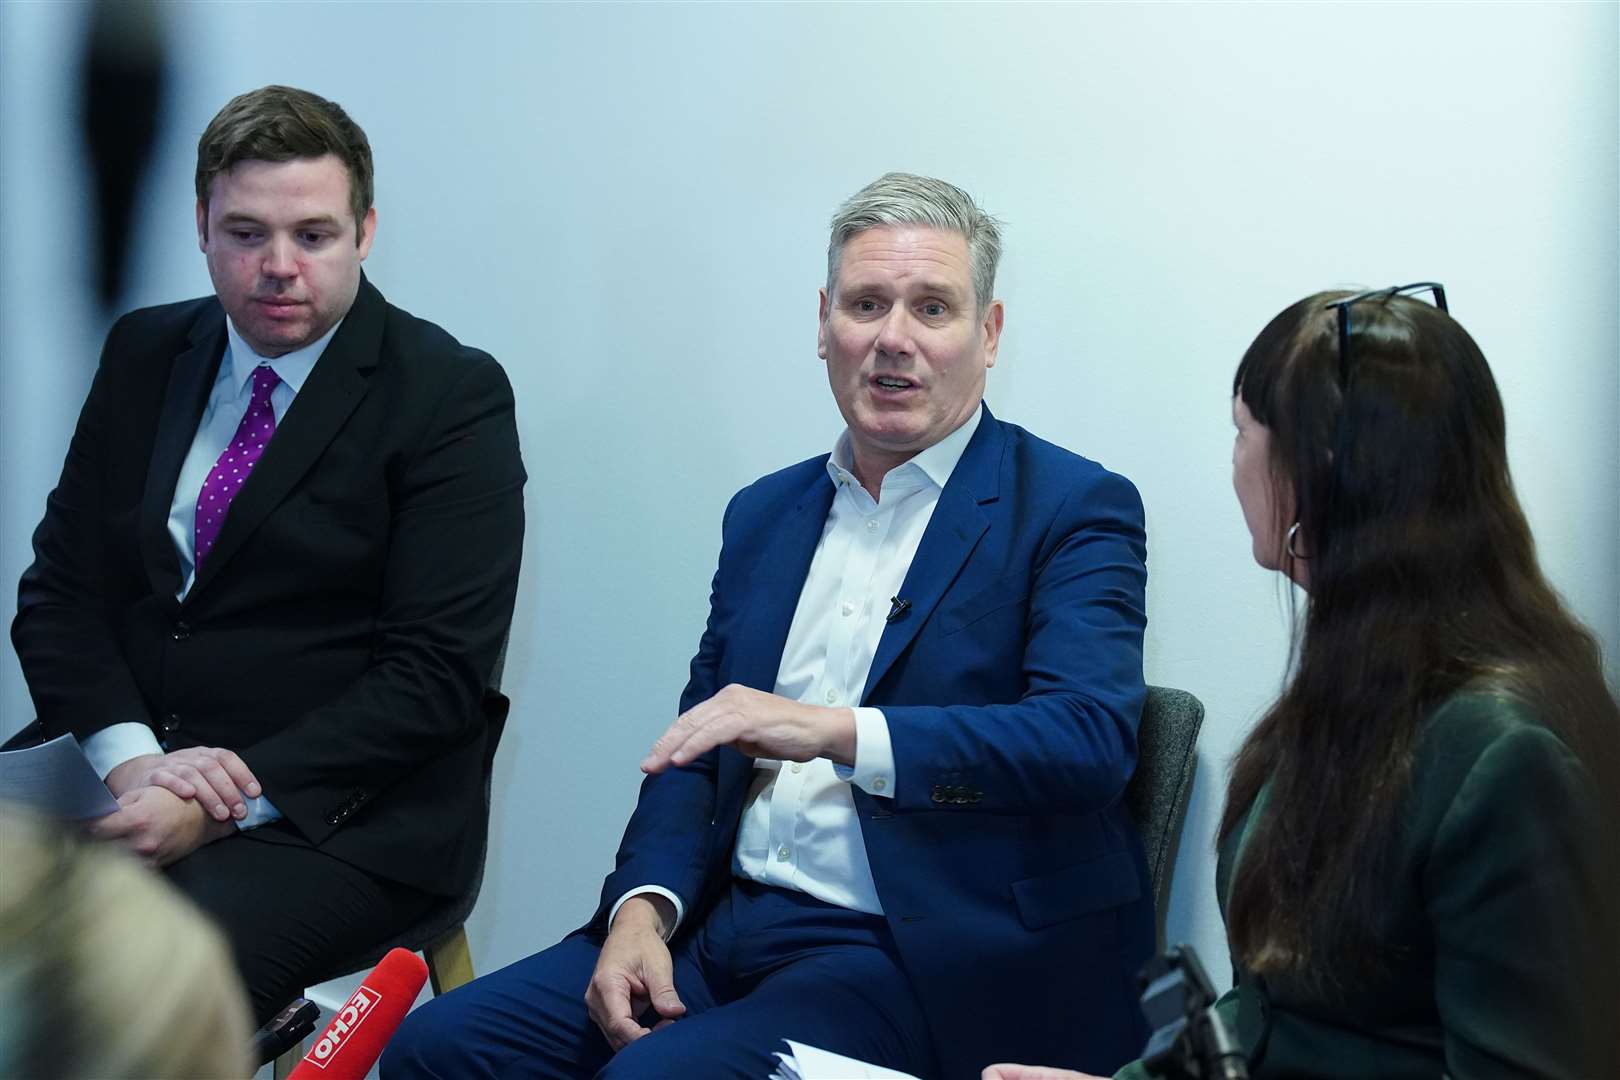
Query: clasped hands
pixel 172 804
pixel 634 972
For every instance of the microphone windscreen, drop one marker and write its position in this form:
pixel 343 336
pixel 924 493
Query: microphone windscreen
pixel 355 1038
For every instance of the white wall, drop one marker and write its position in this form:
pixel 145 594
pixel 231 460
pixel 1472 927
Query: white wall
pixel 627 205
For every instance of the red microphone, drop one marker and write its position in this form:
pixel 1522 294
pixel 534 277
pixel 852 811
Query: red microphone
pixel 355 1038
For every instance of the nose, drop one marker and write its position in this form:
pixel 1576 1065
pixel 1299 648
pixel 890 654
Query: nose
pixel 894 336
pixel 279 258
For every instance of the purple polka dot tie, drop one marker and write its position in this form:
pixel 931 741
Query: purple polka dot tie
pixel 231 471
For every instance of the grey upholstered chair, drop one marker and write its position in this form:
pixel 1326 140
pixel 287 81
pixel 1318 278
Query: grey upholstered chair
pixel 1158 794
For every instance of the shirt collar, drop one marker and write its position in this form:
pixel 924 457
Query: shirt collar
pixel 292 368
pixel 937 462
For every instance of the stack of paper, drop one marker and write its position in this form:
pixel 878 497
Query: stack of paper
pixel 54 780
pixel 803 1062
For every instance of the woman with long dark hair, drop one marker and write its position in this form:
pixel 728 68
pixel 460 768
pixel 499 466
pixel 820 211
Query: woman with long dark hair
pixel 1419 860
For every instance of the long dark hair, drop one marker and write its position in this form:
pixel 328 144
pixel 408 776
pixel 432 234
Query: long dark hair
pixel 1422 579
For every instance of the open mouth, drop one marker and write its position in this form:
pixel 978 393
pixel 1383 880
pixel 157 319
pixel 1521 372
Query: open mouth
pixel 892 382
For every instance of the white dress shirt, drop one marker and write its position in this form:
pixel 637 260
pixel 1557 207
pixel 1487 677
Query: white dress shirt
pixel 228 402
pixel 799 829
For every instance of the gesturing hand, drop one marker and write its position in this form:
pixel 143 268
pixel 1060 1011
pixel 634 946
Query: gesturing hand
pixel 215 777
pixel 633 971
pixel 1033 1072
pixel 159 825
pixel 759 725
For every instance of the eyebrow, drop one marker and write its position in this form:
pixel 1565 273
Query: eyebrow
pixel 927 288
pixel 239 218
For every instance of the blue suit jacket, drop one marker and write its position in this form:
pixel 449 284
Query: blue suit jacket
pixel 1006 864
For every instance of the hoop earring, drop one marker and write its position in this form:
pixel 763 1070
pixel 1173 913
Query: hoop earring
pixel 1293 531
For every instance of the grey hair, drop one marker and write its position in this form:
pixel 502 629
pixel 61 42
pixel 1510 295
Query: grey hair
pixel 907 199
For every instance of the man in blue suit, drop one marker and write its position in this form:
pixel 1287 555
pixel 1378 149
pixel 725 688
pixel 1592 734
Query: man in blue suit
pixel 888 819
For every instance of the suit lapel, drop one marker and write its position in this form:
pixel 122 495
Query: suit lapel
pixel 190 379
pixel 952 534
pixel 334 387
pixel 778 578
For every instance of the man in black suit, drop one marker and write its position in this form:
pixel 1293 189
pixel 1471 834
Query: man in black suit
pixel 270 587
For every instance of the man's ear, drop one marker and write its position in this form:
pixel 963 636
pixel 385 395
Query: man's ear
pixel 821 324
pixel 202 226
pixel 368 232
pixel 994 316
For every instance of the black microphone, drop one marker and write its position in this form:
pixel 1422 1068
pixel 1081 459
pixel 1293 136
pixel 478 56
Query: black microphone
pixel 897 609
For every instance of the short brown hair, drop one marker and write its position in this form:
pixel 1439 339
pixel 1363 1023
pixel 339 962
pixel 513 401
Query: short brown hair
pixel 280 123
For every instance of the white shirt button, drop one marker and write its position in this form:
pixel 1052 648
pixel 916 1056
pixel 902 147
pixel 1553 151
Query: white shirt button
pixel 832 697
pixel 879 784
pixel 783 852
pixel 798 766
pixel 848 607
pixel 871 524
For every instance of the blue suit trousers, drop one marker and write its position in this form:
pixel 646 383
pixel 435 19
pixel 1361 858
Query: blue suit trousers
pixel 765 965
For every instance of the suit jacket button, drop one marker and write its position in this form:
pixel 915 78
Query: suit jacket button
pixel 182 631
pixel 171 723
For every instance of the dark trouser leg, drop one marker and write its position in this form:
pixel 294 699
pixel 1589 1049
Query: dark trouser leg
pixel 795 968
pixel 289 912
pixel 765 965
pixel 527 1020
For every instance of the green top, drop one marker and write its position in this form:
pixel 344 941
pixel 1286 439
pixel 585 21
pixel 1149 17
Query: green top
pixel 1501 934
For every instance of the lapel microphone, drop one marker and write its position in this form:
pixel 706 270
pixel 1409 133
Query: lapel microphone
pixel 897 609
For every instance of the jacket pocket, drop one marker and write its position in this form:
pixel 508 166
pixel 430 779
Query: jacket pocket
pixel 1077 890
pixel 1003 592
pixel 348 511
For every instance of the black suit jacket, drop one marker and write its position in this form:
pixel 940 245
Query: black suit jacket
pixel 341 633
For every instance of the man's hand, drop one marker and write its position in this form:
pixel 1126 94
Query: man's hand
pixel 633 971
pixel 159 825
pixel 758 724
pixel 1033 1072
pixel 216 778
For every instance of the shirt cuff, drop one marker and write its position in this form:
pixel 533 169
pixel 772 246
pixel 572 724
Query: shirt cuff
pixel 680 908
pixel 117 743
pixel 260 811
pixel 873 772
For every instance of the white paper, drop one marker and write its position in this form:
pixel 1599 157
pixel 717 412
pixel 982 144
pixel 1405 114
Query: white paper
pixel 55 780
pixel 803 1062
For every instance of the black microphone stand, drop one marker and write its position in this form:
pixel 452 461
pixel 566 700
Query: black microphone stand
pixel 1190 1040
pixel 286 1029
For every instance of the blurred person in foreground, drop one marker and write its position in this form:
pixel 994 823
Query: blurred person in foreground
pixel 1417 857
pixel 106 971
pixel 887 821
pixel 270 586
